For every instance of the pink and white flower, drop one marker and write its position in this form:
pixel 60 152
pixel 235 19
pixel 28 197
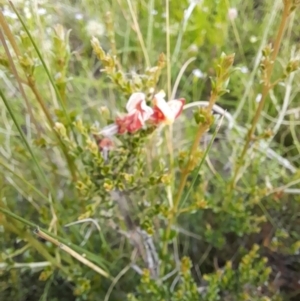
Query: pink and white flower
pixel 166 112
pixel 138 114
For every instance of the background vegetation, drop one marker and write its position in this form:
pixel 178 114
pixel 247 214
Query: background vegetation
pixel 204 210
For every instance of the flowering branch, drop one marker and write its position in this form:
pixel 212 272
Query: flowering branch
pixel 269 59
pixel 204 118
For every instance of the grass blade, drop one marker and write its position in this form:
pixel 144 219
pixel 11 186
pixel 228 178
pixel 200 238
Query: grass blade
pixel 40 170
pixel 38 192
pixel 41 59
pixel 90 256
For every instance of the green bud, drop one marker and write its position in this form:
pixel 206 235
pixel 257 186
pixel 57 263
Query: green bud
pixel 219 71
pixel 80 186
pixel 59 32
pixel 227 61
pixel 27 64
pixel 137 83
pixel 186 265
pixel 213 84
pixel 4 61
pixel 60 128
pixel 108 185
pixel 161 61
pixel 292 66
pixel 262 66
pixel 199 116
pixel 92 146
pixel 119 78
pixel 98 49
pixel 105 113
pixel 267 50
pixel 79 126
pixel 45 274
pixel 146 277
pixel 25 40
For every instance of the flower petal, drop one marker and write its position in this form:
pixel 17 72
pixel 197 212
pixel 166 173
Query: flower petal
pixel 135 100
pixel 176 106
pixel 160 94
pixel 160 104
pixel 157 116
pixel 166 112
pixel 137 105
pixel 129 123
pixel 146 111
pixel 109 130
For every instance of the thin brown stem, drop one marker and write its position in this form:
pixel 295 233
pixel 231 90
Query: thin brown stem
pixel 15 73
pixel 47 113
pixel 9 34
pixel 185 173
pixel 201 130
pixel 267 85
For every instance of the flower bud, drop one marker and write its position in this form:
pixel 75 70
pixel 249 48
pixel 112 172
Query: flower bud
pixel 60 128
pixel 292 66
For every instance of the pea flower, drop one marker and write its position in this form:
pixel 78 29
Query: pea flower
pixel 166 112
pixel 138 114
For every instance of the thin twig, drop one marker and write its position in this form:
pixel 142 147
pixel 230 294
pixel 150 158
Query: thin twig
pixel 266 87
pixel 119 276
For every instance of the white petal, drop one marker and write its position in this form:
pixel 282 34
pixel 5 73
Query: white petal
pixel 143 114
pixel 165 109
pixel 175 107
pixel 134 100
pixel 146 112
pixel 143 105
pixel 109 130
pixel 161 94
